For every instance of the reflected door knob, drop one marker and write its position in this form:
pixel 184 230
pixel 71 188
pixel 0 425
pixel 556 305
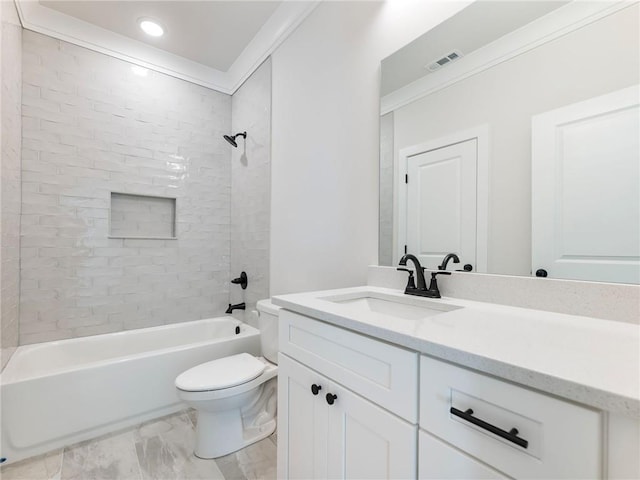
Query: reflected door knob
pixel 467 268
pixel 315 389
pixel 331 398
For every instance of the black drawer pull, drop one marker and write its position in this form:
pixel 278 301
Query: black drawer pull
pixel 315 389
pixel 331 398
pixel 511 435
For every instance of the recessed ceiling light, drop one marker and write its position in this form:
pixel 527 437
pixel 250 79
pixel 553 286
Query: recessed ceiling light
pixel 151 27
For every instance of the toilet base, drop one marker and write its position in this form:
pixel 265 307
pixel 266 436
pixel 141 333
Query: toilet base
pixel 208 448
pixel 222 430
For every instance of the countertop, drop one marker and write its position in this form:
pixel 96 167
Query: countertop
pixel 590 361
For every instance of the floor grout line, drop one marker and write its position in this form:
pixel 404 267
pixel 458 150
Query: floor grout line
pixel 59 475
pixel 135 452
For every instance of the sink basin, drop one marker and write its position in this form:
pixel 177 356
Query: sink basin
pixel 398 307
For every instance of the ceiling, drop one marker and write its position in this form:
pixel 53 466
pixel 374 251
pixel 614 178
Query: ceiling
pixel 474 27
pixel 213 33
pixel 214 43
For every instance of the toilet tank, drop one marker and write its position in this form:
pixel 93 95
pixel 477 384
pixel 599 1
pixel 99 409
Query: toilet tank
pixel 268 325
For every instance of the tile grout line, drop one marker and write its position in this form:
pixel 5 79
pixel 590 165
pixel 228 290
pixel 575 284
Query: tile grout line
pixel 135 453
pixel 61 463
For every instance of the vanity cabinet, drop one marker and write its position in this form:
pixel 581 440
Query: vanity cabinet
pixel 326 430
pixel 393 413
pixel 382 373
pixel 334 433
pixel 517 431
pixel 438 460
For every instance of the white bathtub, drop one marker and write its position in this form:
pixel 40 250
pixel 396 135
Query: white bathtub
pixel 58 393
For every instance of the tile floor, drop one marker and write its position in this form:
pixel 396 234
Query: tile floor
pixel 161 449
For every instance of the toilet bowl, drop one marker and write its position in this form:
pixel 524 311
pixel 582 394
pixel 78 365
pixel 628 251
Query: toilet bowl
pixel 235 396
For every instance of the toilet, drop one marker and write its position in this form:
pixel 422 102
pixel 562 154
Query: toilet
pixel 235 396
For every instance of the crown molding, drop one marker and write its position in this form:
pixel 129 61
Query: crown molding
pixel 555 24
pixel 286 18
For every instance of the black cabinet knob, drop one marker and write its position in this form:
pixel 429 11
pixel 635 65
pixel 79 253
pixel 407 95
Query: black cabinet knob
pixel 331 398
pixel 541 273
pixel 315 389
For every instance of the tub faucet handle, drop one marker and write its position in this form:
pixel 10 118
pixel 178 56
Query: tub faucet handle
pixel 242 280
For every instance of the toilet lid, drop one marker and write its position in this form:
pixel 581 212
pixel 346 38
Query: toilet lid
pixel 222 373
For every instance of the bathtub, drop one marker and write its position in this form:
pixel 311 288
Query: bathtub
pixel 57 393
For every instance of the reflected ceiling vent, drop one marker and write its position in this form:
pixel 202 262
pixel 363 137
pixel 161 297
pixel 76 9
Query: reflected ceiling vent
pixel 445 60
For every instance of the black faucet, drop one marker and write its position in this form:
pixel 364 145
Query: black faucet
pixel 422 285
pixel 421 289
pixel 451 256
pixel 237 306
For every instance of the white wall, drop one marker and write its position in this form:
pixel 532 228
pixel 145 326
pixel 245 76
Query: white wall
pixel 10 127
pixel 324 229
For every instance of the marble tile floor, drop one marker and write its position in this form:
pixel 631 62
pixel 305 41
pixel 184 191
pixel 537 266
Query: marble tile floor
pixel 160 449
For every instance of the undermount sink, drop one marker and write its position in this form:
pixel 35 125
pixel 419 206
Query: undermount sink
pixel 406 309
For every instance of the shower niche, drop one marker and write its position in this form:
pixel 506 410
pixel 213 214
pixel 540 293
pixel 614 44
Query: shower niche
pixel 142 216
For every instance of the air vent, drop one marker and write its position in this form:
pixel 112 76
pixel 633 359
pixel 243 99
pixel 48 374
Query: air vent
pixel 445 60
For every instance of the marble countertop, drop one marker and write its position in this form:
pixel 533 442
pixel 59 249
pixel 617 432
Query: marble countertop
pixel 591 361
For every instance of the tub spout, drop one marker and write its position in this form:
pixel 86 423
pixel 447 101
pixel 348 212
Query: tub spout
pixel 237 306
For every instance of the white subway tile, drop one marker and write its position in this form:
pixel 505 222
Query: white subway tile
pixel 91 130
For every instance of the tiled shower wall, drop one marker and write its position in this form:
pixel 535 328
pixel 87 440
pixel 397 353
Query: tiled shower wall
pixel 250 187
pixel 10 121
pixel 92 127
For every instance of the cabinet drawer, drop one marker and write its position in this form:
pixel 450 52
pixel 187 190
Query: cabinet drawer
pixel 440 461
pixel 385 374
pixel 563 440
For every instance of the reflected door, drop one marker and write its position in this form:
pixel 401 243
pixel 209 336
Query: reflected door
pixel 441 204
pixel 586 189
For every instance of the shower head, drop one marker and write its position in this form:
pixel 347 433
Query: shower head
pixel 232 138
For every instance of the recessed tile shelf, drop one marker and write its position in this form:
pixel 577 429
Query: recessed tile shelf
pixel 142 216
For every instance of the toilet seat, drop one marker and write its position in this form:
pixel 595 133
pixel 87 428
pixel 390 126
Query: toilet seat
pixel 222 373
pixel 270 371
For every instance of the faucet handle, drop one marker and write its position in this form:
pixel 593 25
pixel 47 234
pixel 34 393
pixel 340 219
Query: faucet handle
pixel 433 274
pixel 410 282
pixel 433 290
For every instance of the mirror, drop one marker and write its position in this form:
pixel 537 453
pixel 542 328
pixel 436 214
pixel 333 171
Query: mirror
pixel 509 136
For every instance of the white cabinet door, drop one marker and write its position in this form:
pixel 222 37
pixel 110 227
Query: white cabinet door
pixel 441 203
pixel 441 461
pixel 586 189
pixel 348 439
pixel 302 422
pixel 367 442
